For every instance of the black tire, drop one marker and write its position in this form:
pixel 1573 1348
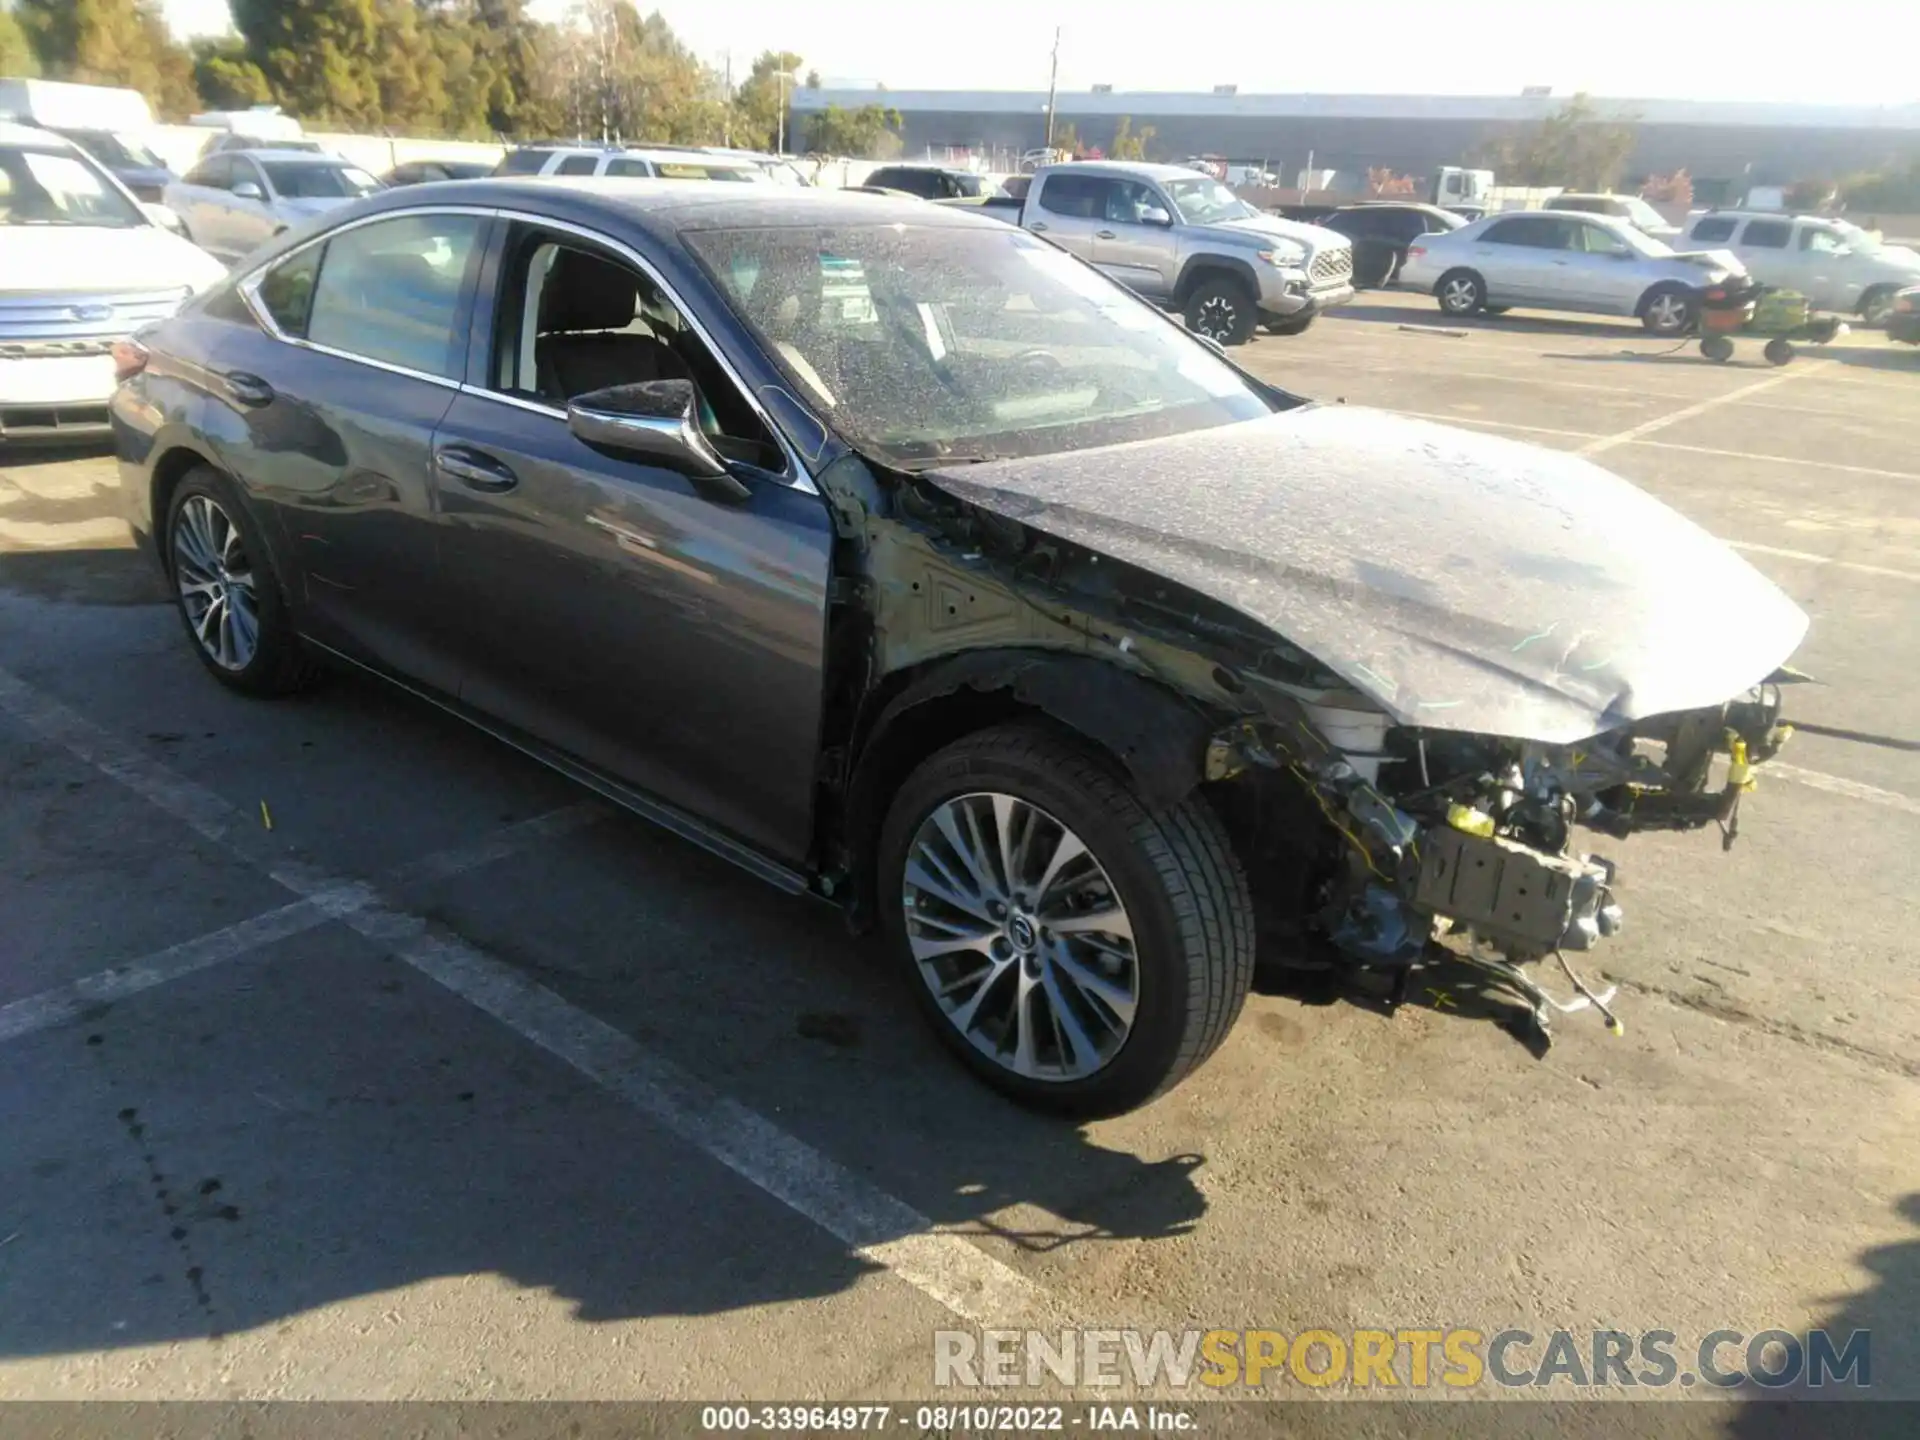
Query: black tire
pixel 1876 303
pixel 279 663
pixel 1661 315
pixel 1779 351
pixel 1222 308
pixel 1174 873
pixel 1461 293
pixel 1717 348
pixel 1299 325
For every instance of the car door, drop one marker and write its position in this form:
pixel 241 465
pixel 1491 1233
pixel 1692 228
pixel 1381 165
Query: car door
pixel 1765 246
pixel 1826 266
pixel 1069 209
pixel 1515 257
pixel 202 206
pixel 1601 273
pixel 669 636
pixel 251 217
pixel 328 413
pixel 1372 252
pixel 1136 245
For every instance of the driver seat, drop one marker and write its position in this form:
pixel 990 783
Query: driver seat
pixel 584 342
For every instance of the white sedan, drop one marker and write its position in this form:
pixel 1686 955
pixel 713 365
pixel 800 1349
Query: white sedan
pixel 1563 260
pixel 82 266
pixel 237 200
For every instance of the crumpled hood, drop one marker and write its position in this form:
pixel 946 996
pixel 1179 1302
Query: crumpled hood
pixel 1719 259
pixel 1463 581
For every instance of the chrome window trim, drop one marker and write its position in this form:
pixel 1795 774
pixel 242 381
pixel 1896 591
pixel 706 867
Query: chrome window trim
pixel 797 476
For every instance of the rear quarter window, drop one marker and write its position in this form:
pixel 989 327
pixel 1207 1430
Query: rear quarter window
pixel 1714 230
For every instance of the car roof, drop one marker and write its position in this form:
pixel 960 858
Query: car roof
pixel 666 208
pixel 1139 169
pixel 1585 215
pixel 1763 215
pixel 12 133
pixel 292 157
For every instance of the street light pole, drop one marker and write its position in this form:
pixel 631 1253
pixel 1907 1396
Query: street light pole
pixel 780 141
pixel 1053 85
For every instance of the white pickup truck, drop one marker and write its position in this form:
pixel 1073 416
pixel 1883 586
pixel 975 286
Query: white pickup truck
pixel 1185 241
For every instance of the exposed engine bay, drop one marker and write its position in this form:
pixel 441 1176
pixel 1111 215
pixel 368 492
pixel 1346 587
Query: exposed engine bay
pixel 1407 756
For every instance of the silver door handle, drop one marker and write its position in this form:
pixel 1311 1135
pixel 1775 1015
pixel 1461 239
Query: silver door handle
pixel 1103 235
pixel 1037 226
pixel 474 470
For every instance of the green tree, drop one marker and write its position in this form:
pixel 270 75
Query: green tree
pixel 761 97
pixel 1575 146
pixel 319 57
pixel 871 132
pixel 16 55
pixel 110 42
pixel 1129 143
pixel 227 79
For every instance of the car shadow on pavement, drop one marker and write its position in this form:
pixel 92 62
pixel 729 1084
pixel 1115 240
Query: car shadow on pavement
pixel 1887 1407
pixel 1513 323
pixel 84 576
pixel 1440 984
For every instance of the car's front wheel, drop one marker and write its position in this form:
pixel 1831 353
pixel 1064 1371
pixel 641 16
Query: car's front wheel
pixel 1877 304
pixel 1669 310
pixel 225 590
pixel 1223 309
pixel 1078 951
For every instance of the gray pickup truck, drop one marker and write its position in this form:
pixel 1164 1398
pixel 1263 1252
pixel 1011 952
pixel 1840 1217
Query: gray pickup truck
pixel 1185 241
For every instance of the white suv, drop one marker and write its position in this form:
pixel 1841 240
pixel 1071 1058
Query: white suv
pixel 620 162
pixel 1834 263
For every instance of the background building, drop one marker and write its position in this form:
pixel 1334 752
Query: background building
pixel 1758 142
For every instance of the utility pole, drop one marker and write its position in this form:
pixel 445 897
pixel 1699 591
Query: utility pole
pixel 1053 86
pixel 780 122
pixel 726 122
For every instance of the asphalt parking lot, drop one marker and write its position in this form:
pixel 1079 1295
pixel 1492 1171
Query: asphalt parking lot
pixel 346 1054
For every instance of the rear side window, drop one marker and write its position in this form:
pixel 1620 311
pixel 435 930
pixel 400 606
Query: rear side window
pixel 576 165
pixel 390 291
pixel 623 166
pixel 522 162
pixel 215 172
pixel 1537 231
pixel 286 291
pixel 924 183
pixel 1718 228
pixel 1768 234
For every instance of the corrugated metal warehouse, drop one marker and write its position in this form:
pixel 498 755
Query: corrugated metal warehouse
pixel 1758 141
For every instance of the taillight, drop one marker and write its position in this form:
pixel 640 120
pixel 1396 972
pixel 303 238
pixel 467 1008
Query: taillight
pixel 129 359
pixel 1413 250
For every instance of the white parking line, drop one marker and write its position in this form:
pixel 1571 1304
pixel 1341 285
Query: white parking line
pixel 67 1003
pixel 1840 785
pixel 874 1224
pixel 1648 427
pixel 1813 559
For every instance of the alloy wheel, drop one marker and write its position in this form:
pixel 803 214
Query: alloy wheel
pixel 214 576
pixel 1667 312
pixel 1216 318
pixel 1459 295
pixel 1021 937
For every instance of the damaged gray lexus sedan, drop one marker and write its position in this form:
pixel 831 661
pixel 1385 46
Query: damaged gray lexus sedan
pixel 910 563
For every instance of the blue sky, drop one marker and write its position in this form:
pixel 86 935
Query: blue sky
pixel 1843 51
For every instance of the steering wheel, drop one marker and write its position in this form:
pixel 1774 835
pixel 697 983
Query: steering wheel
pixel 1028 356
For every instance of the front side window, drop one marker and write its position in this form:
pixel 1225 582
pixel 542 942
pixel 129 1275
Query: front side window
pixel 1077 197
pixel 1537 232
pixel 1818 240
pixel 294 181
pixel 930 345
pixel 215 173
pixel 1205 201
pixel 1128 202
pixel 46 187
pixel 572 320
pixel 390 291
pixel 522 162
pixel 622 167
pixel 1768 234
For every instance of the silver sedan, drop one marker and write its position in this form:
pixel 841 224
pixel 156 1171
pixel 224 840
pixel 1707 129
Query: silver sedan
pixel 1563 260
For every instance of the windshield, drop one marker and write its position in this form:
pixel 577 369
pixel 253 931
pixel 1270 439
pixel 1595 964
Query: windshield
pixel 1638 240
pixel 1643 214
pixel 1203 201
pixel 45 187
pixel 1862 241
pixel 292 181
pixel 120 150
pixel 926 346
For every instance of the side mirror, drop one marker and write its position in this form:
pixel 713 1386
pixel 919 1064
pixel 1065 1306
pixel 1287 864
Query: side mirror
pixel 247 190
pixel 654 420
pixel 1154 215
pixel 163 216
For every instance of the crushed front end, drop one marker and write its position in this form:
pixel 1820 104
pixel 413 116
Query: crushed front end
pixel 1439 838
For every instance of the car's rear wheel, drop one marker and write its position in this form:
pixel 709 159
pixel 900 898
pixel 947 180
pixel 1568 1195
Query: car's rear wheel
pixel 1078 951
pixel 1669 310
pixel 226 593
pixel 1223 309
pixel 1461 292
